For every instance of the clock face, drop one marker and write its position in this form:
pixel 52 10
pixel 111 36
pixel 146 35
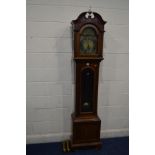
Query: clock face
pixel 88 40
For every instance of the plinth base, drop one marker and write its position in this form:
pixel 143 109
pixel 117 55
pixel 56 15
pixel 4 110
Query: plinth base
pixel 85 132
pixel 97 145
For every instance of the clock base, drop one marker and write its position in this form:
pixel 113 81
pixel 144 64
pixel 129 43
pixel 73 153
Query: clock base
pixel 97 145
pixel 86 132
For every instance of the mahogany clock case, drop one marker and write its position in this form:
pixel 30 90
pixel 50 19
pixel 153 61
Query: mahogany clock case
pixel 88 30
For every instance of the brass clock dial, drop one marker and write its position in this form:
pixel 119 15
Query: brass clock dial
pixel 88 41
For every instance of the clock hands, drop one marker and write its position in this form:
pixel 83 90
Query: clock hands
pixel 85 44
pixel 88 44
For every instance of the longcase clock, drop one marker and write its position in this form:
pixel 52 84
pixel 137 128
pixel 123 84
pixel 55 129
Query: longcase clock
pixel 88 30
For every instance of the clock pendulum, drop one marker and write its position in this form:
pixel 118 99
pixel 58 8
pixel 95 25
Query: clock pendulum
pixel 88 31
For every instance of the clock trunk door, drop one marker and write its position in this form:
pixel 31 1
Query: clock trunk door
pixel 87 90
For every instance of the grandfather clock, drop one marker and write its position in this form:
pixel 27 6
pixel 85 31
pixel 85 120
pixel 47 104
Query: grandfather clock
pixel 88 30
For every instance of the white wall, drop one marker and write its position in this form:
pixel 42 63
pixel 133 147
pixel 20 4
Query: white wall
pixel 50 94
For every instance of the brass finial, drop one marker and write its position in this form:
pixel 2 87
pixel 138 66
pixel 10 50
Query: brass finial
pixel 89 13
pixel 90 8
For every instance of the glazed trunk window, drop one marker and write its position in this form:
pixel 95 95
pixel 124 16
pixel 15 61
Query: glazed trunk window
pixel 87 90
